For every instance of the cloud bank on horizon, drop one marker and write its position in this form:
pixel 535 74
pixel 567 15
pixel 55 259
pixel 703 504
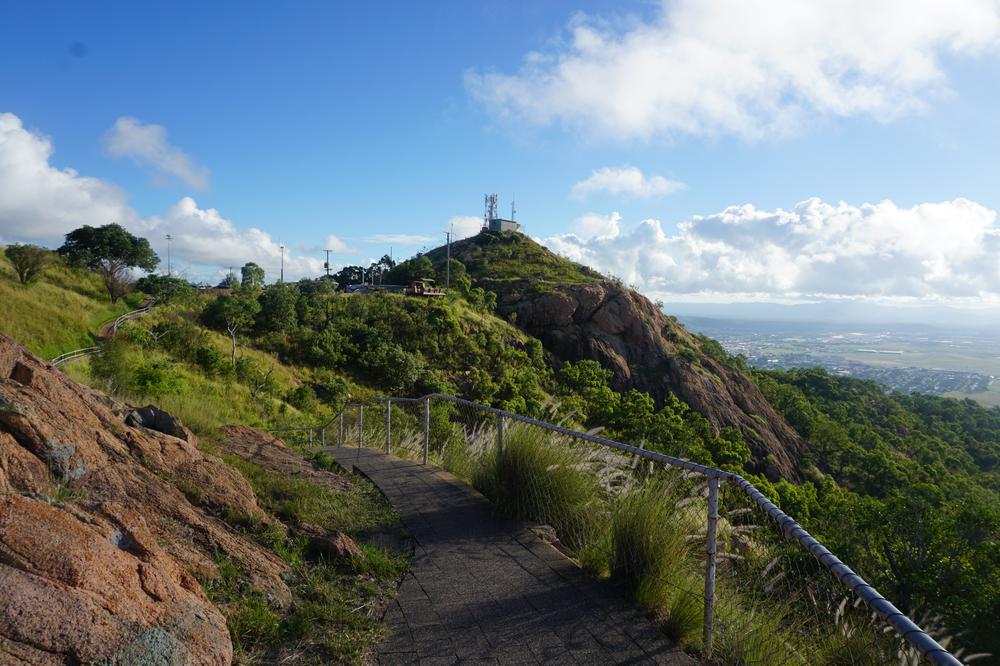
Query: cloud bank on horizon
pixel 40 203
pixel 748 68
pixel 944 252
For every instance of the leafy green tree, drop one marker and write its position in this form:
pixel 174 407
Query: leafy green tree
pixel 166 288
pixel 111 251
pixel 278 312
pixel 28 261
pixel 232 313
pixel 252 275
pixel 419 267
pixel 348 275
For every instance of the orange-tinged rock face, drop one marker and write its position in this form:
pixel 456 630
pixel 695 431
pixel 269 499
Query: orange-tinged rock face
pixel 94 586
pixel 107 576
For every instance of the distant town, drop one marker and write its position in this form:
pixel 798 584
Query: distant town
pixel 905 358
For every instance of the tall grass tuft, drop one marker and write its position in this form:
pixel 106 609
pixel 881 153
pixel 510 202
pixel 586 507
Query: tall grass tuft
pixel 546 482
pixel 651 552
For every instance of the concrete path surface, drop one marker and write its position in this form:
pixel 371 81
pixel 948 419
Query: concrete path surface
pixel 484 589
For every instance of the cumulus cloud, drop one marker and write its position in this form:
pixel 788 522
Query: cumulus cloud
pixel 148 147
pixel 464 226
pixel 40 203
pixel 595 225
pixel 750 68
pixel 204 238
pixel 947 252
pixel 624 181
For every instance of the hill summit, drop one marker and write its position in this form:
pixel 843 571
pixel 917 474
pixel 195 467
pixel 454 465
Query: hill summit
pixel 578 314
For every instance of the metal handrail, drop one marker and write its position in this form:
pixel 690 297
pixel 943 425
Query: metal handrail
pixel 66 357
pixel 73 355
pixel 933 651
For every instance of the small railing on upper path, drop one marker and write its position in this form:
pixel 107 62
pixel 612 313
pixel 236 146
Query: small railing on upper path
pixel 107 331
pixel 803 580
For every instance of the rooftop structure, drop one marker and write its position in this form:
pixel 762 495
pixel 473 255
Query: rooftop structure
pixel 491 216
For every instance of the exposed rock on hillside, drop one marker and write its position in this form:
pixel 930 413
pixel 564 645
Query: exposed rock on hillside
pixel 98 540
pixel 646 350
pixel 577 314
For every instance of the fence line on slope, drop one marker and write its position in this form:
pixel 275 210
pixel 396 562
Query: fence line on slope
pixel 767 591
pixel 66 357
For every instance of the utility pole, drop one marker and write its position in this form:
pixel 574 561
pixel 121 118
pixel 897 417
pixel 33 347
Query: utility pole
pixel 327 264
pixel 169 238
pixel 281 277
pixel 447 265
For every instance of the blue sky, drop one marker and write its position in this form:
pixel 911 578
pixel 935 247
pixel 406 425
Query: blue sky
pixel 300 121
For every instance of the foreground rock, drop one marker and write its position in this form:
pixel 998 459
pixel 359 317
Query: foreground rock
pixel 103 521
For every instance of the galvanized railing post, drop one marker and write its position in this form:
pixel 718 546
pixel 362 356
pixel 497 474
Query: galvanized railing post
pixel 361 425
pixel 499 434
pixel 388 426
pixel 710 547
pixel 340 442
pixel 322 436
pixel 427 428
pixel 310 436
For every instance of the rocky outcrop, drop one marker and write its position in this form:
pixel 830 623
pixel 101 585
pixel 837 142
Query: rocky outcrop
pixel 105 520
pixel 271 453
pixel 646 350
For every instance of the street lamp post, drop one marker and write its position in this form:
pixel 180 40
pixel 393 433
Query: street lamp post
pixel 281 277
pixel 169 238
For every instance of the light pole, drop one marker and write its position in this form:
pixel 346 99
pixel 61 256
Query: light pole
pixel 169 238
pixel 281 277
pixel 447 263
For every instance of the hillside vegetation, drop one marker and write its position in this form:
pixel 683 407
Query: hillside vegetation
pixel 61 312
pixel 903 488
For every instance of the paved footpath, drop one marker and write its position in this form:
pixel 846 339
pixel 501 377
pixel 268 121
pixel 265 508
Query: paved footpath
pixel 483 589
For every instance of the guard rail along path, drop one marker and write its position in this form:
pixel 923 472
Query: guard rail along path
pixel 106 331
pixel 744 581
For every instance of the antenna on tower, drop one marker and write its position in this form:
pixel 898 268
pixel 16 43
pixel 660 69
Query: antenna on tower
pixel 513 210
pixel 491 208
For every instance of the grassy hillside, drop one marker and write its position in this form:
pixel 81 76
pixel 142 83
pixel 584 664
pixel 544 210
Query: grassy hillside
pixel 61 312
pixel 168 359
pixel 498 258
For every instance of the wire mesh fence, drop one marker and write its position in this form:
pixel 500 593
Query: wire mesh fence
pixel 723 571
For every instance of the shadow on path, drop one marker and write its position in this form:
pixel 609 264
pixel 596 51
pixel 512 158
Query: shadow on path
pixel 484 589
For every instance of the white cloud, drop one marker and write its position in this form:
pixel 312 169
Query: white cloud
pixel 948 252
pixel 40 203
pixel 464 226
pixel 204 238
pixel 751 68
pixel 334 244
pixel 595 225
pixel 625 181
pixel 147 146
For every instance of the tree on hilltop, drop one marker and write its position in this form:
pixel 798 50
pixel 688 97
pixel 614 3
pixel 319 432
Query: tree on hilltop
pixel 111 251
pixel 252 275
pixel 28 260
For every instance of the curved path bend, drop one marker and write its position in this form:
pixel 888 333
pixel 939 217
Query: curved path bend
pixel 483 589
